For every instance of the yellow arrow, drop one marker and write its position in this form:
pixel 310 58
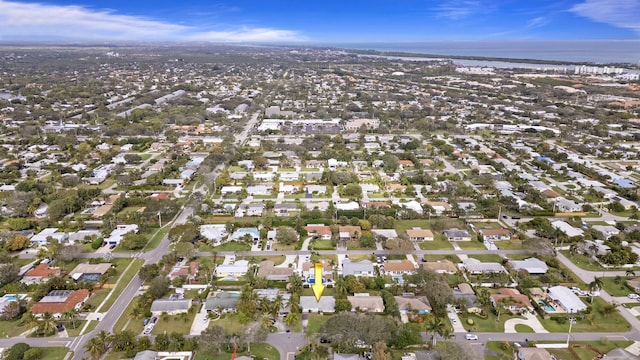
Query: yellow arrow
pixel 317 286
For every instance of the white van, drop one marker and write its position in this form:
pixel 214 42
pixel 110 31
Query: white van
pixel 472 337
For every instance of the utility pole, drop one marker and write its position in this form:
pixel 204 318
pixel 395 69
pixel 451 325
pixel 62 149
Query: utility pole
pixel 571 322
pixel 159 219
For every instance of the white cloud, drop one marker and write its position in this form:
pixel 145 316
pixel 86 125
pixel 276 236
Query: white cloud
pixel 36 21
pixel 456 10
pixel 618 13
pixel 537 22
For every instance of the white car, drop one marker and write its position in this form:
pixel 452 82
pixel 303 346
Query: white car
pixel 471 337
pixel 633 296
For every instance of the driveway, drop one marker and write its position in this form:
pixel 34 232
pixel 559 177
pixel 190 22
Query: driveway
pixel 455 320
pixel 200 322
pixel 289 260
pixel 529 320
pixel 287 344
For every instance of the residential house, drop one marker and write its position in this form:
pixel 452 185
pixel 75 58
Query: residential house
pixel 320 230
pixel 285 209
pixel 315 189
pixel 533 266
pixel 222 302
pixel 566 299
pixel 512 300
pixel 309 304
pixel 567 229
pixel 349 232
pixel 440 266
pixel 174 305
pixel 268 270
pixel 417 234
pixel 384 233
pixel 232 271
pixel 59 301
pixel 230 189
pixel 607 230
pixel 119 232
pixel 457 235
pixel 39 274
pixel 240 233
pixel 398 267
pixel 213 232
pixel 357 269
pixel 492 235
pixel 260 190
pixel 272 294
pixel 634 284
pixel 475 266
pixel 42 238
pixel 409 303
pixel 86 272
pixel 356 124
pixel 187 271
pixel 439 207
pixel 366 303
pixel 308 272
pixel 566 205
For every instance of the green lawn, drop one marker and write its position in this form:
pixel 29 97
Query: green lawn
pixel 283 247
pixel 355 245
pixel 490 324
pixel 471 245
pixel 180 323
pixel 53 353
pixel 123 281
pixel 229 322
pixel 12 328
pixel 615 287
pixel 322 245
pixel 315 323
pixel 487 257
pixel 404 225
pixel 521 328
pixel 593 322
pixel 277 259
pixel 582 261
pixel 232 246
pixel 258 351
pixel 134 325
pixel 437 244
pixel 453 258
pixel 509 245
pixel 156 239
pixel 97 297
pixel 79 325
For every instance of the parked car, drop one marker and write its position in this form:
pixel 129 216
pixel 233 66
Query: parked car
pixel 633 296
pixel 60 327
pixel 471 337
pixel 146 321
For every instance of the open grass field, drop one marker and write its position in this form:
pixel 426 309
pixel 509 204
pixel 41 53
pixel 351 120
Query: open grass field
pixel 180 323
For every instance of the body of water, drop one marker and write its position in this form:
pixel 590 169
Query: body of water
pixel 593 51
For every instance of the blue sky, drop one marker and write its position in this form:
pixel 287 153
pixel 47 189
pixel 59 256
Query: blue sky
pixel 320 21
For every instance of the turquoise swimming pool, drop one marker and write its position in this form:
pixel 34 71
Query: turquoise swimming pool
pixel 545 306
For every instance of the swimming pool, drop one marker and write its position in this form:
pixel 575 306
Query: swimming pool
pixel 545 306
pixel 11 297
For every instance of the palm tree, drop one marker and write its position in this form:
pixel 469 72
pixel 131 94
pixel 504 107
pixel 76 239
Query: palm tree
pixel 630 273
pixel 595 285
pixel 291 319
pixel 47 324
pixel 104 339
pixel 276 305
pixel 31 318
pixel 95 348
pixel 434 327
pixel 341 287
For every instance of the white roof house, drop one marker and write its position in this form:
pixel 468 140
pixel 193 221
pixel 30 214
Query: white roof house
pixel 531 265
pixel 567 229
pixel 119 232
pixel 475 266
pixel 235 270
pixel 310 304
pixel 352 205
pixel 564 297
pixel 41 237
pixel 213 232
pixel 230 189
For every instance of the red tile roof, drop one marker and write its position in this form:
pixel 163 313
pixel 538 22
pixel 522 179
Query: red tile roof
pixel 43 270
pixel 74 299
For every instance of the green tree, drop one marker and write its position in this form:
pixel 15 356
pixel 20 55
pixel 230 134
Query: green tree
pixel 287 235
pixel 342 305
pixel 17 242
pixel 17 351
pixel 434 327
pixel 380 351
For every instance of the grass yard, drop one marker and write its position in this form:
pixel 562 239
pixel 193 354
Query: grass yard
pixel 490 324
pixel 12 328
pixel 315 323
pixel 437 244
pixel 229 322
pixel 283 247
pixel 509 244
pixel 404 225
pixel 123 281
pixel 124 318
pixel 487 257
pixel 156 238
pixel 53 353
pixel 277 259
pixel 593 322
pixel 229 246
pixel 258 351
pixel 180 323
pixel 356 258
pixel 322 245
pixel 79 325
pixel 97 297
pixel 471 245
pixel 355 245
pixel 453 258
pixel 328 291
pixel 615 287
pixel 582 261
pixel 584 353
pixel 521 328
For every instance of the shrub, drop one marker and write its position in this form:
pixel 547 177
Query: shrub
pixel 33 354
pixel 16 352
